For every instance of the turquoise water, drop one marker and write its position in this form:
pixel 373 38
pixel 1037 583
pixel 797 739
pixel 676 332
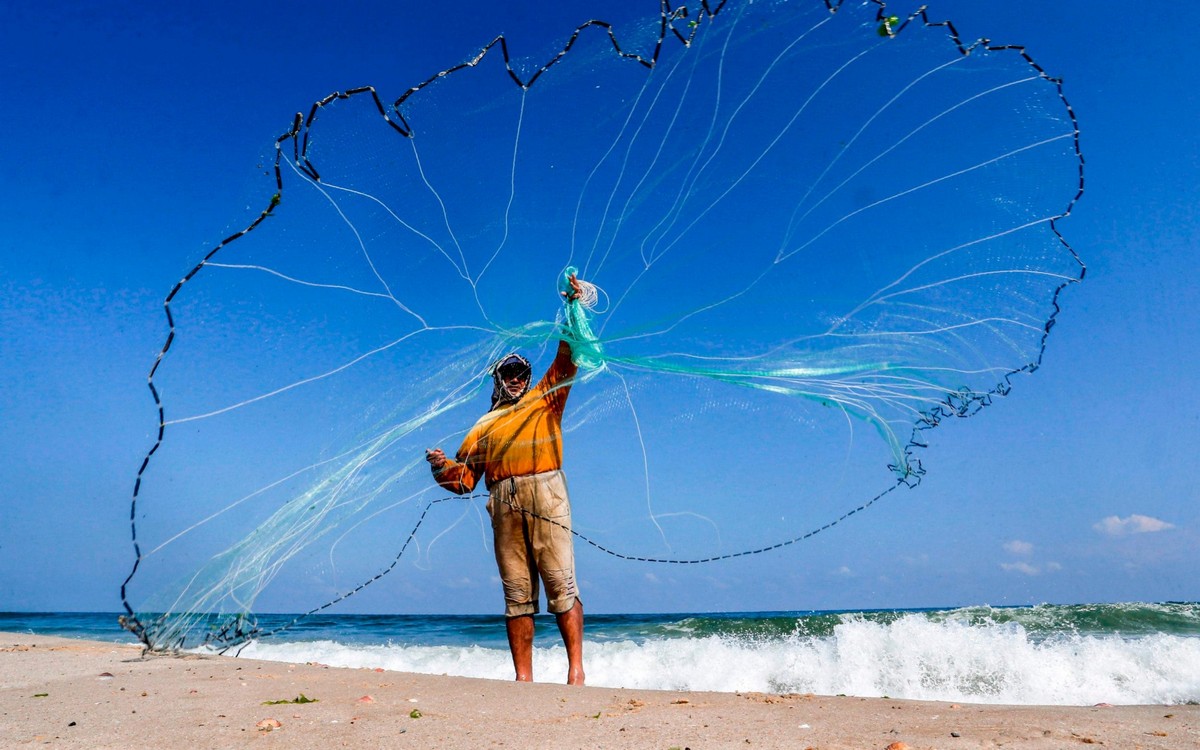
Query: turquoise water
pixel 1046 654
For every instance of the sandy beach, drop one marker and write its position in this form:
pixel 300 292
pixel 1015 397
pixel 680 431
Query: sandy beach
pixel 60 692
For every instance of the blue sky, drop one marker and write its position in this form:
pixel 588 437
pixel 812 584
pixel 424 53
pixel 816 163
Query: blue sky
pixel 132 146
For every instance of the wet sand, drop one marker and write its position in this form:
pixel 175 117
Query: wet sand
pixel 59 692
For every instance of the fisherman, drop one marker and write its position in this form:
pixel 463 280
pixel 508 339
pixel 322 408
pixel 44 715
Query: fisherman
pixel 517 449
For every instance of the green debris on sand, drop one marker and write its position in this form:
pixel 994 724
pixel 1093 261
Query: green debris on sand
pixel 40 695
pixel 302 698
pixel 414 714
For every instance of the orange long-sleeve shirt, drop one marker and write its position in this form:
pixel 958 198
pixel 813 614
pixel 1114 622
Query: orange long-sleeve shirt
pixel 518 439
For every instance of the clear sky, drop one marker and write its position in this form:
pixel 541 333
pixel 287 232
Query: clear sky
pixel 131 145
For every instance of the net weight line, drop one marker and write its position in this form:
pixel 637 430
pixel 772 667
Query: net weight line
pixel 234 635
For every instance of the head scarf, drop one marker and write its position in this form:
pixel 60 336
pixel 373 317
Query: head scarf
pixel 500 396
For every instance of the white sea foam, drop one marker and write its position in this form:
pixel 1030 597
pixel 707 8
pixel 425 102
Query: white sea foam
pixel 912 657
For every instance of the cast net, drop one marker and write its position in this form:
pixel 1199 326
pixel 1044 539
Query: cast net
pixel 813 236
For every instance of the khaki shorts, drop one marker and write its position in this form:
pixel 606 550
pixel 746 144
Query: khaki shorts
pixel 531 524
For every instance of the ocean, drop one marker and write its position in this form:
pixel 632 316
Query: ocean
pixel 1134 653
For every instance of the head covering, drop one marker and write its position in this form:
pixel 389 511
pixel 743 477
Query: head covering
pixel 509 365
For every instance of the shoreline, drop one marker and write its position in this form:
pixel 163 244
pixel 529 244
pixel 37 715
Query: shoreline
pixel 79 693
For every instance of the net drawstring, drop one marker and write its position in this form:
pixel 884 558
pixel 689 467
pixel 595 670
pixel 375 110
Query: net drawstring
pixel 586 351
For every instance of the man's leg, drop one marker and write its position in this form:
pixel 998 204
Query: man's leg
pixel 518 574
pixel 520 643
pixel 553 549
pixel 570 625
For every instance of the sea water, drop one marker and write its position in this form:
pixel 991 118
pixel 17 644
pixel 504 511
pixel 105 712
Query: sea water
pixel 1046 654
